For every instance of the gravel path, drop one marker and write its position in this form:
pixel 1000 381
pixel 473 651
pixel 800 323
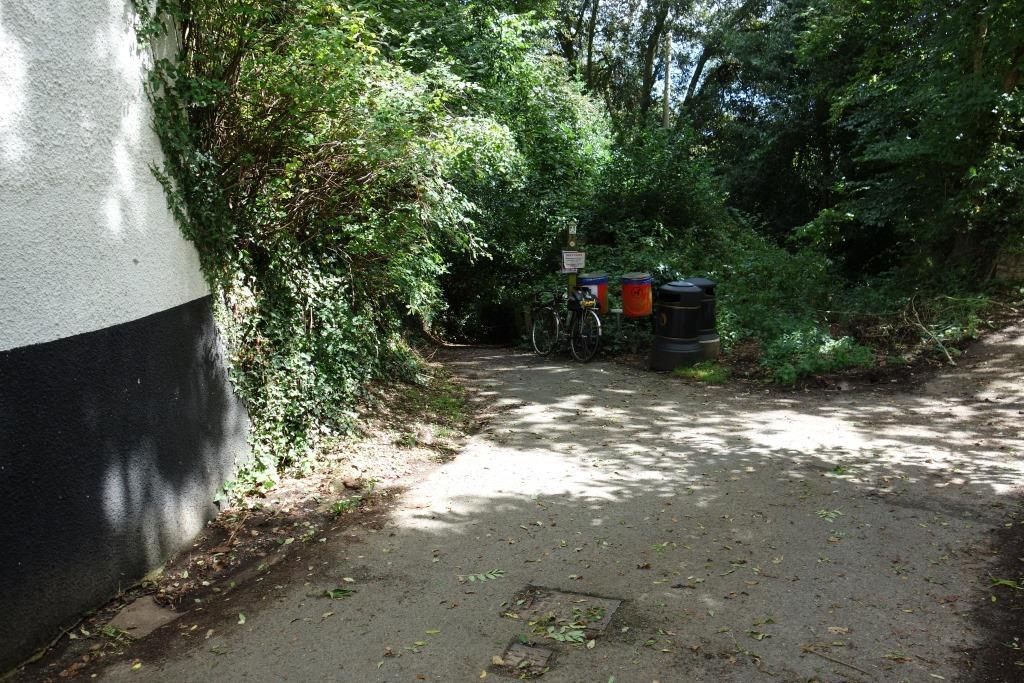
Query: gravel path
pixel 730 534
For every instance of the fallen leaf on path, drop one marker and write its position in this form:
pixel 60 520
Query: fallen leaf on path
pixel 1008 583
pixel 486 576
pixel 896 656
pixel 830 515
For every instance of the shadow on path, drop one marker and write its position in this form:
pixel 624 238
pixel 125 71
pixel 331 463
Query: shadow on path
pixel 750 535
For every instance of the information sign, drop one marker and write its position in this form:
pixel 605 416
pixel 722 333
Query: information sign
pixel 573 260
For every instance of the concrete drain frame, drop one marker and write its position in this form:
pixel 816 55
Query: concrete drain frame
pixel 555 618
pixel 524 660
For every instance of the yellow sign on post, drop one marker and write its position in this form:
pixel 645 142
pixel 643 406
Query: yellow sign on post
pixel 573 259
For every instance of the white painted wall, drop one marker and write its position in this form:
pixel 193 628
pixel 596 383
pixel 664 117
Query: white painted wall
pixel 86 238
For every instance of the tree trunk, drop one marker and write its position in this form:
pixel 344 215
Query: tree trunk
pixel 568 36
pixel 591 29
pixel 980 39
pixel 650 51
pixel 698 69
pixel 714 45
pixel 666 106
pixel 1012 76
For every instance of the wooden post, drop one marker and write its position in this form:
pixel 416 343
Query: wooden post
pixel 571 244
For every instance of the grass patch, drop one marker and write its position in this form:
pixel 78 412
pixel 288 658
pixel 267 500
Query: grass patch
pixel 705 371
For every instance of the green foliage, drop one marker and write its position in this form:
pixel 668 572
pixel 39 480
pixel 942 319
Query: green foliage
pixel 532 191
pixel 570 633
pixel 867 147
pixel 658 185
pixel 492 575
pixel 888 134
pixel 345 505
pixel 812 351
pixel 329 176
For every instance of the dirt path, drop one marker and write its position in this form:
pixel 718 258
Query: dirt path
pixel 730 534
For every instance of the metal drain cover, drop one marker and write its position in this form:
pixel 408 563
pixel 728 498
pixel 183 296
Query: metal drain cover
pixel 560 607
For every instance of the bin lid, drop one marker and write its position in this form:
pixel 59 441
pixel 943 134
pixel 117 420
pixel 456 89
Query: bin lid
pixel 706 285
pixel 680 291
pixel 596 275
pixel 679 286
pixel 636 276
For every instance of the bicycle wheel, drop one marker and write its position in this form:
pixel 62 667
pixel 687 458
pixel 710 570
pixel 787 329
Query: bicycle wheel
pixel 586 336
pixel 545 330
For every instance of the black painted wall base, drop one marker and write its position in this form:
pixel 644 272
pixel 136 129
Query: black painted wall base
pixel 112 447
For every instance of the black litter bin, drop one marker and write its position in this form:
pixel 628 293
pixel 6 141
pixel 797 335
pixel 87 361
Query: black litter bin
pixel 677 313
pixel 707 328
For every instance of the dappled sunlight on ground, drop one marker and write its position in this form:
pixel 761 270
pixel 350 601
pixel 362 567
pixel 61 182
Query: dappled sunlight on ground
pixel 749 534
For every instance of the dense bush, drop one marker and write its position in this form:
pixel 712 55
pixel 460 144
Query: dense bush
pixel 330 173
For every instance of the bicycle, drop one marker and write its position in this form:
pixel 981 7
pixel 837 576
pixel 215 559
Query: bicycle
pixel 582 324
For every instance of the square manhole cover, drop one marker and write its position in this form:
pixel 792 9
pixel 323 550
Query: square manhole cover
pixel 524 660
pixel 548 607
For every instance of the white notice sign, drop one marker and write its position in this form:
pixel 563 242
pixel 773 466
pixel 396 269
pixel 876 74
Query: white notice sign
pixel 573 259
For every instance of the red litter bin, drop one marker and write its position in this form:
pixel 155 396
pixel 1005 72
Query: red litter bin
pixel 598 284
pixel 636 295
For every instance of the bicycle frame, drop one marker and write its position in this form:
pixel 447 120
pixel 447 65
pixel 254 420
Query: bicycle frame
pixel 573 317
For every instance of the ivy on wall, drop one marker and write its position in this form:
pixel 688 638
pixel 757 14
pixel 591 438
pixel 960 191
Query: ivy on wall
pixel 329 175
